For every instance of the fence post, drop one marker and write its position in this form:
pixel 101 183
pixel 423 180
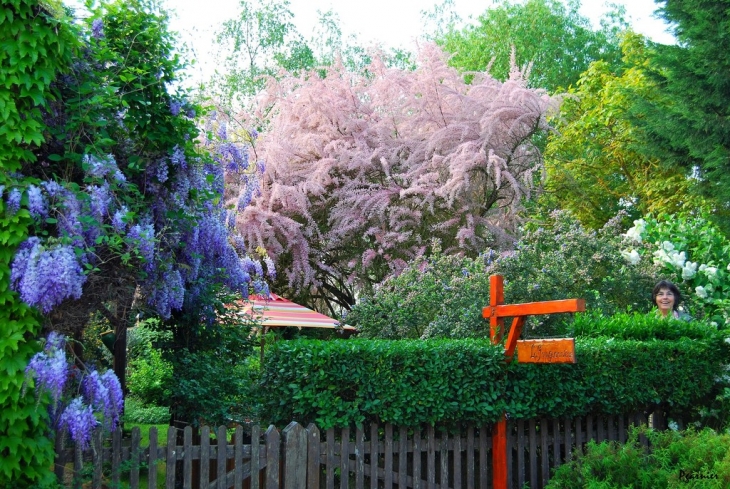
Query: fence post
pixel 295 456
pixel 313 456
pixel 272 458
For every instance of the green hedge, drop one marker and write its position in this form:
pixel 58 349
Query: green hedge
pixel 409 382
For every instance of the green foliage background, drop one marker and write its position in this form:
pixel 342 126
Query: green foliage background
pixel 34 47
pixel 556 258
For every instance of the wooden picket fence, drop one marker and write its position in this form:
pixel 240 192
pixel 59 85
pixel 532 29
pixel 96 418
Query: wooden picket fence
pixel 382 456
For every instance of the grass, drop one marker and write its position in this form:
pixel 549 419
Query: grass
pixel 144 430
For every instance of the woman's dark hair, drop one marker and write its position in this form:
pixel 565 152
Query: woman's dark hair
pixel 666 284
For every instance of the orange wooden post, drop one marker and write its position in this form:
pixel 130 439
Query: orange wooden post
pixel 496 312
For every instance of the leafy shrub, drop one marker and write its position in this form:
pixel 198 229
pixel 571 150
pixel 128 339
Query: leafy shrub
pixel 136 412
pixel 409 382
pixel 676 459
pixel 643 327
pixel 443 296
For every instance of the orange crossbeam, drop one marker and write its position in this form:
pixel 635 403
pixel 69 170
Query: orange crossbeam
pixel 530 308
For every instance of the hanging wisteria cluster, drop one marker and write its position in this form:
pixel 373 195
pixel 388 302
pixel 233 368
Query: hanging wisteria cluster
pixel 179 255
pixel 81 399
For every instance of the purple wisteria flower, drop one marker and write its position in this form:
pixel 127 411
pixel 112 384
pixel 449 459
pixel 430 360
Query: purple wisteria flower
pixel 118 219
pixel 14 200
pixel 50 370
pixel 52 188
pixel 100 200
pixel 37 202
pixel 175 107
pixel 190 113
pixel 115 404
pixel 222 132
pixel 142 237
pixel 45 277
pixel 239 244
pixel 97 29
pixel 178 157
pixel 80 421
pixel 270 267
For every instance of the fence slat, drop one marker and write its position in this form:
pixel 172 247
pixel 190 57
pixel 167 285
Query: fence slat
pixel 238 457
pixel 388 452
pixel 544 451
pixel 359 458
pixel 533 453
pixel 374 459
pixel 134 454
pixel 152 459
pixel 313 456
pixel 568 440
pixel 483 451
pixel 295 456
pixel 470 456
pixel 417 458
pixel 116 456
pixel 457 460
pixel 621 429
pixel 273 445
pixel 330 474
pixel 255 454
pixel 611 428
pixel 188 457
pixel 171 456
pixel 600 432
pixel 444 458
pixel 402 457
pixel 556 442
pixel 344 458
pixel 78 465
pixel 578 435
pixel 205 457
pixel 220 470
pixel 97 458
pixel 430 457
pixel 520 453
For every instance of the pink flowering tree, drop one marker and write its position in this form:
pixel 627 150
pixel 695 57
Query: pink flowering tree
pixel 364 169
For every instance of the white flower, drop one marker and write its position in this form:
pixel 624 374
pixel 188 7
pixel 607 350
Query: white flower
pixel 701 292
pixel 678 259
pixel 661 256
pixel 727 340
pixel 711 272
pixel 632 256
pixel 689 270
pixel 634 233
pixel 728 267
pixel 667 246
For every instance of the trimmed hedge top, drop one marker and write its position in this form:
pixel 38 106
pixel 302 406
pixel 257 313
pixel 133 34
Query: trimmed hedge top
pixel 411 382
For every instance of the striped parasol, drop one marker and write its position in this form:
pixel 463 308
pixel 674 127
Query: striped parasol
pixel 277 311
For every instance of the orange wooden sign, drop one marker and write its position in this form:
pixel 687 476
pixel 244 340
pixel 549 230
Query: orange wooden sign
pixel 561 350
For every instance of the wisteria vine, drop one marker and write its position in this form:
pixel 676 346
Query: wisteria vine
pixel 82 399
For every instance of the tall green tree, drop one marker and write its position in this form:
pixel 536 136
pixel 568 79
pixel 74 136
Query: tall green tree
pixel 691 126
pixel 595 161
pixel 551 35
pixel 255 43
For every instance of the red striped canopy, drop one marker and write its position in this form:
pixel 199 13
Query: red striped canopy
pixel 276 311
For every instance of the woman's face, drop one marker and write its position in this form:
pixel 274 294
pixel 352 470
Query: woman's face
pixel 665 301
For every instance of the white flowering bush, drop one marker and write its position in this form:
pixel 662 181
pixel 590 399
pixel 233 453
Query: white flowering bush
pixel 691 252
